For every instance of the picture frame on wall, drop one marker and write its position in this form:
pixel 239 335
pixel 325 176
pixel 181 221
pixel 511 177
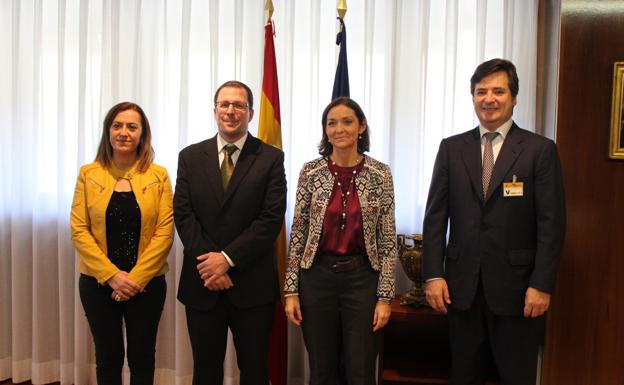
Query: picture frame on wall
pixel 616 142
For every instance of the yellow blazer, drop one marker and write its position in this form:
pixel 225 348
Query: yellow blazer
pixel 94 188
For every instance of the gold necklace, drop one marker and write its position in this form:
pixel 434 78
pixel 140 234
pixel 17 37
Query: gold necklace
pixel 345 193
pixel 358 160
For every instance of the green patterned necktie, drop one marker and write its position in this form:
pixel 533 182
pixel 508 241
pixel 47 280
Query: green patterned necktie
pixel 227 166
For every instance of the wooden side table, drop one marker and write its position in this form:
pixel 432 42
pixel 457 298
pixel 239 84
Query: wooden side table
pixel 414 347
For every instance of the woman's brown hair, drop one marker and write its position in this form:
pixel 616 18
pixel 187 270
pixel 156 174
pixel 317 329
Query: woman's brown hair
pixel 363 142
pixel 144 151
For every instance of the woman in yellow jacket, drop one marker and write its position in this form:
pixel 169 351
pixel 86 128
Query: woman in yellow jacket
pixel 122 228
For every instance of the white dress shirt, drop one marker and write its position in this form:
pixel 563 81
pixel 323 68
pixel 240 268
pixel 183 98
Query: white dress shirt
pixel 239 144
pixel 497 143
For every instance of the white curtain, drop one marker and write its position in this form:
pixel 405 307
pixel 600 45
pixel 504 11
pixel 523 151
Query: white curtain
pixel 64 63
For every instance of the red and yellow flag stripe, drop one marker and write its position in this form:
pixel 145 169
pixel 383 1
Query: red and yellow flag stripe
pixel 270 131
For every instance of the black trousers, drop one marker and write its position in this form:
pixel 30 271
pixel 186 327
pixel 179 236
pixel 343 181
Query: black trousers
pixel 250 331
pixel 141 315
pixel 512 340
pixel 332 301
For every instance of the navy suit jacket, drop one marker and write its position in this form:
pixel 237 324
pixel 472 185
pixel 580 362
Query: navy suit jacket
pixel 512 242
pixel 243 220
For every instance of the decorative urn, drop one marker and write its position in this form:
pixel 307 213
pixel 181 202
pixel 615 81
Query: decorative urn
pixel 410 254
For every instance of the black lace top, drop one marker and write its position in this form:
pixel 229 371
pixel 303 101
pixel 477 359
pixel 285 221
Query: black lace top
pixel 123 229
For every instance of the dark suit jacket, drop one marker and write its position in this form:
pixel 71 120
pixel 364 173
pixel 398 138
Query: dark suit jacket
pixel 243 221
pixel 514 242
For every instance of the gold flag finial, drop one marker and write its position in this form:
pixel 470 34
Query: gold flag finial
pixel 342 8
pixel 268 10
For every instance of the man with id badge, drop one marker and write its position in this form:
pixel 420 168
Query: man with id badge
pixel 498 189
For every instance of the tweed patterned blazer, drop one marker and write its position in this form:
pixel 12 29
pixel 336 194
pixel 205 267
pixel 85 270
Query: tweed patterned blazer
pixel 376 194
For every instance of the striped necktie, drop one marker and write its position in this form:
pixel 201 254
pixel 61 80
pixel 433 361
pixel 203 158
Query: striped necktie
pixel 488 161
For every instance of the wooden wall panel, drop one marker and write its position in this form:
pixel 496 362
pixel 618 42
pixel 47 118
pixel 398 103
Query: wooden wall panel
pixel 585 331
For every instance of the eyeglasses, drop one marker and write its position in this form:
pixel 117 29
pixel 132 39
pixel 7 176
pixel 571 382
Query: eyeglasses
pixel 225 105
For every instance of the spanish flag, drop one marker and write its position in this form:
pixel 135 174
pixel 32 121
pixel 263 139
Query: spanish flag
pixel 270 131
pixel 269 126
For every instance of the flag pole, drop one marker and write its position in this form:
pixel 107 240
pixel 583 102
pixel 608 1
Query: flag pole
pixel 268 10
pixel 342 8
pixel 269 131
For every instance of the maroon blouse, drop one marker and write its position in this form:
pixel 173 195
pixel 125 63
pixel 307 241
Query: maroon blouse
pixel 343 232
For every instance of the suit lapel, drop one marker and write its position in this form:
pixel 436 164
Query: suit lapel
pixel 471 154
pixel 512 147
pixel 248 155
pixel 212 170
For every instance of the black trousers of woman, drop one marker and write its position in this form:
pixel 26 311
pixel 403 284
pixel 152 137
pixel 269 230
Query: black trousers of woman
pixel 141 315
pixel 331 301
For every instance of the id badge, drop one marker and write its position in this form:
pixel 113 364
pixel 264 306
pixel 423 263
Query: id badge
pixel 513 189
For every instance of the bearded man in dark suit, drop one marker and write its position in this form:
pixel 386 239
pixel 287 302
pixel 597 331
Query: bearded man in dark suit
pixel 500 190
pixel 229 204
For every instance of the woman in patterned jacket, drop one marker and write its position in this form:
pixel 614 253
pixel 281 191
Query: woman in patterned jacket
pixel 340 269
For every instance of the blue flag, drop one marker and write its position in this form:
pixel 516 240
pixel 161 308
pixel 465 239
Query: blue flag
pixel 341 81
pixel 341 88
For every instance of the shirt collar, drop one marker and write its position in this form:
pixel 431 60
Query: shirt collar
pixel 239 143
pixel 503 130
